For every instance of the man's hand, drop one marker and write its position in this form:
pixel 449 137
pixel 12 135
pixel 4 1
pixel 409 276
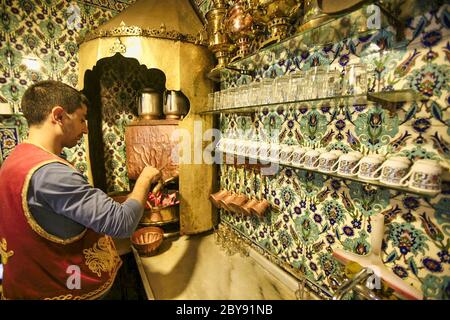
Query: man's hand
pixel 147 177
pixel 151 173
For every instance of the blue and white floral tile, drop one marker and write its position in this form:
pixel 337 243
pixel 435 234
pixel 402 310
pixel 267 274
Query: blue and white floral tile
pixel 9 138
pixel 319 213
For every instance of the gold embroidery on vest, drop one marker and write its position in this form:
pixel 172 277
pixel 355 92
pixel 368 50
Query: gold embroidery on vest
pixel 94 294
pixel 4 253
pixel 101 257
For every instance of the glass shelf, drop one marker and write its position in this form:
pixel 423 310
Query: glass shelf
pixel 216 73
pixel 387 99
pixel 374 183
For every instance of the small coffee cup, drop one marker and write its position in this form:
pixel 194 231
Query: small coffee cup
pixel 230 146
pixel 252 149
pixel 286 154
pixel 297 156
pixel 424 176
pixel 328 162
pixel 368 167
pixel 263 151
pixel 237 202
pixel 260 208
pixel 240 147
pixel 274 152
pixel 356 154
pixel 311 159
pixel 392 171
pixel 337 152
pixel 349 163
pixel 225 201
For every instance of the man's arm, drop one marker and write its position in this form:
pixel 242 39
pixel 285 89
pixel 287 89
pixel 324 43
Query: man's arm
pixel 142 187
pixel 59 189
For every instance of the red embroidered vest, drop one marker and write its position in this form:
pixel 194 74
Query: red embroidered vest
pixel 38 265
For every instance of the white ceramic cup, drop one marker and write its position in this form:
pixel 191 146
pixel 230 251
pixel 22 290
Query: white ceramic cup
pixel 311 159
pixel 400 158
pixel 274 152
pixel 425 176
pixel 337 152
pixel 368 167
pixel 393 171
pixel 241 146
pixel 297 156
pixel 286 153
pixel 263 151
pixel 328 162
pixel 348 163
pixel 357 154
pixel 252 149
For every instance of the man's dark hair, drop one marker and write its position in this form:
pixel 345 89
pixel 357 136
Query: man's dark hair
pixel 40 98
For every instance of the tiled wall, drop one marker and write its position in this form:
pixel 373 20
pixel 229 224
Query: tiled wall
pixel 318 212
pixel 203 5
pixel 39 29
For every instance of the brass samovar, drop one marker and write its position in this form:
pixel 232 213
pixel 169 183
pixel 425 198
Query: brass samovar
pixel 313 15
pixel 278 15
pixel 218 41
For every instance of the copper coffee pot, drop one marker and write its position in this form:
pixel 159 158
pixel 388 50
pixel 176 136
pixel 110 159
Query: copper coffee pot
pixel 236 204
pixel 261 207
pixel 226 200
pixel 161 183
pixel 216 197
pixel 149 103
pixel 221 194
pixel 246 208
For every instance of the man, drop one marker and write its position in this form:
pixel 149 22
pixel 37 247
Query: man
pixel 54 227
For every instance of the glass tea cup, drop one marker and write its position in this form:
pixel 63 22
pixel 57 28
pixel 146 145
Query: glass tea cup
pixel 355 79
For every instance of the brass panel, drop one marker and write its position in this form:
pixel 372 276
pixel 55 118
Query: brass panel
pixel 196 180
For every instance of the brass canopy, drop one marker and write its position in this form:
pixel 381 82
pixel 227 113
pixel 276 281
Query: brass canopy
pixel 130 31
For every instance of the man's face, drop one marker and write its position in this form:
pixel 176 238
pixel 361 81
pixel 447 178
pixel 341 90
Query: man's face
pixel 75 125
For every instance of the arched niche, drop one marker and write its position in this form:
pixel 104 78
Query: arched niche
pixel 111 88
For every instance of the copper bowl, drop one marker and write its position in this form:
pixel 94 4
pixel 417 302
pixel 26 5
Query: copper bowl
pixel 147 240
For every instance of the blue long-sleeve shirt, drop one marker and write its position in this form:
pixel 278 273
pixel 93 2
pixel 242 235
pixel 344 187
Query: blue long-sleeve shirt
pixel 63 203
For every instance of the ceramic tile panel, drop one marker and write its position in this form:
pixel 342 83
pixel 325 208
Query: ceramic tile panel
pixel 31 29
pixel 320 212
